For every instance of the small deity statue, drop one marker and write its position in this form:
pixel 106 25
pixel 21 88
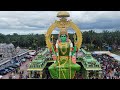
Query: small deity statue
pixel 65 66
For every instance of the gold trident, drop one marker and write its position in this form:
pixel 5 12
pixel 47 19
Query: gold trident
pixel 74 36
pixel 52 38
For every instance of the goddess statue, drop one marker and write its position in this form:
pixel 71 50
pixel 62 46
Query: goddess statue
pixel 65 66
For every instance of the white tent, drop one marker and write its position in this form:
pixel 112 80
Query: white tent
pixel 117 57
pixel 101 52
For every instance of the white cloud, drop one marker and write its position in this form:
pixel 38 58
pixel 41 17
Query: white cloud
pixel 93 16
pixel 34 21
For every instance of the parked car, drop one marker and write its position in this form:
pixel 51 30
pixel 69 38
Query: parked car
pixel 32 52
pixel 28 56
pixel 10 68
pixel 14 66
pixel 23 60
pixel 18 63
pixel 7 70
pixel 4 71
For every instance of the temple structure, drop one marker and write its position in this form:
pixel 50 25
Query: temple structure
pixel 7 50
pixel 63 62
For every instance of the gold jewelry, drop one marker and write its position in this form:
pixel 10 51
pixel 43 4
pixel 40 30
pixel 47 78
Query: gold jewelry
pixel 65 45
pixel 60 70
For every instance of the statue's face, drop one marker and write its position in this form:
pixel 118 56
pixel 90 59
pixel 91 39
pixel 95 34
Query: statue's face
pixel 63 38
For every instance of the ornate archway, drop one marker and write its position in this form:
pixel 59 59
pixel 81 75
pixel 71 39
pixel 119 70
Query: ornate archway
pixel 61 24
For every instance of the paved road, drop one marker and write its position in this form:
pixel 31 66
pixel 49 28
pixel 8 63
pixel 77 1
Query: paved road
pixel 23 67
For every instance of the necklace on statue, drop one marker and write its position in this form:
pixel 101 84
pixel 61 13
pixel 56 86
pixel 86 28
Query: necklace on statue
pixel 63 46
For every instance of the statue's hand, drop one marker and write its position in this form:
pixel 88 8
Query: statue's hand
pixel 54 57
pixel 75 43
pixel 74 59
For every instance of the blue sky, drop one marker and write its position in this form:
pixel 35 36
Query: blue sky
pixel 25 22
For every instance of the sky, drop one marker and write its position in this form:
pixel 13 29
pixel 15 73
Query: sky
pixel 37 22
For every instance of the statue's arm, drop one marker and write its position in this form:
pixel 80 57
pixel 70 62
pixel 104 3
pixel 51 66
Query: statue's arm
pixel 53 50
pixel 72 53
pixel 57 48
pixel 71 47
pixel 74 50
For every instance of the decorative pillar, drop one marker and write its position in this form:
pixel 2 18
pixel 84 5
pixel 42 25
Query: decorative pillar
pixel 41 74
pixel 95 73
pixel 100 74
pixel 87 74
pixel 29 74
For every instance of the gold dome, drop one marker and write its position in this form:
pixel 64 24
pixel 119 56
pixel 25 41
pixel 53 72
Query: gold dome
pixel 63 14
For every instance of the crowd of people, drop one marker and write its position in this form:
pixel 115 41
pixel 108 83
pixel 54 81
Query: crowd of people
pixel 21 75
pixel 110 66
pixel 110 69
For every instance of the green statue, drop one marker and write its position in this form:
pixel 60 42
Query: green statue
pixel 65 66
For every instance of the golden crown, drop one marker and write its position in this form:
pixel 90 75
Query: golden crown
pixel 63 31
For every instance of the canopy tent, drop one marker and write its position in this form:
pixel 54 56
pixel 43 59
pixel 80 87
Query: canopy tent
pixel 101 52
pixel 117 57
